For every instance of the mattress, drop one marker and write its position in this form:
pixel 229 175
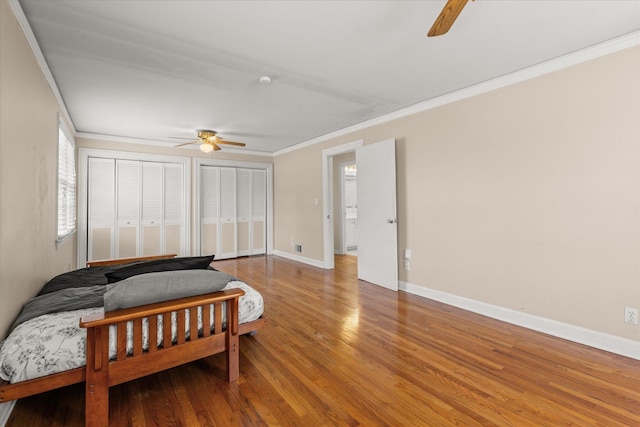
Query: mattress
pixel 54 342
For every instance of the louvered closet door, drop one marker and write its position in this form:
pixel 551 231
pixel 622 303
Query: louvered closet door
pixel 128 208
pixel 152 204
pixel 101 209
pixel 258 212
pixel 209 177
pixel 227 220
pixel 174 202
pixel 233 204
pixel 243 196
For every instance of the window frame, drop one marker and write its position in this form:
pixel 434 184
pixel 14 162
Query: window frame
pixel 66 179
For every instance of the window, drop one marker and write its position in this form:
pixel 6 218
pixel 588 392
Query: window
pixel 66 184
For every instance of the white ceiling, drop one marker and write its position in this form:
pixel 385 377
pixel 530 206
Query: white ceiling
pixel 152 70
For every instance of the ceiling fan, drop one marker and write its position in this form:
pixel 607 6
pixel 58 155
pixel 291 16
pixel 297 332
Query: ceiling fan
pixel 209 141
pixel 447 17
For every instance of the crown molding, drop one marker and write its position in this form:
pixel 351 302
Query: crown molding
pixel 35 47
pixel 562 62
pixel 574 58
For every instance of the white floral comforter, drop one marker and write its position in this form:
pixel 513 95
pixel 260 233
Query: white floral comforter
pixel 53 343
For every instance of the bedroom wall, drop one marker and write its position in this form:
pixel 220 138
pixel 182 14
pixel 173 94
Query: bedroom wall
pixel 28 170
pixel 526 197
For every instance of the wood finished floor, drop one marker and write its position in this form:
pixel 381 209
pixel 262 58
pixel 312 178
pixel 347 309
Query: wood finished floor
pixel 339 351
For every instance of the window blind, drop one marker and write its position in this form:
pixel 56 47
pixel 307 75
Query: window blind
pixel 66 185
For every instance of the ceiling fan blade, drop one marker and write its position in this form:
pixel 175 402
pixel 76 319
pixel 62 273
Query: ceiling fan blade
pixel 186 143
pixel 216 147
pixel 447 17
pixel 223 141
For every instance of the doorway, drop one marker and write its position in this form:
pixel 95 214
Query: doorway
pixel 328 191
pixel 377 222
pixel 345 213
pixel 349 193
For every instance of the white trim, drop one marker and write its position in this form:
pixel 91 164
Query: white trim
pixel 35 47
pixel 83 187
pixel 197 162
pixel 327 197
pixel 556 64
pixel 599 340
pixel 298 258
pixel 5 411
pixel 163 144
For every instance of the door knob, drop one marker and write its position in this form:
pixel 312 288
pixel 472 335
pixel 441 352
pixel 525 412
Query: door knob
pixel 391 221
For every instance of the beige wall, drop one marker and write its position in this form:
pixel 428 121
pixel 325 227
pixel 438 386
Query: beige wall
pixel 28 170
pixel 527 197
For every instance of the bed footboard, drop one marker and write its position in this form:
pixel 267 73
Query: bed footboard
pixel 102 373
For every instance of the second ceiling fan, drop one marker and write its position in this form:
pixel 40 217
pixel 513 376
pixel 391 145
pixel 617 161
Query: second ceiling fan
pixel 210 141
pixel 447 17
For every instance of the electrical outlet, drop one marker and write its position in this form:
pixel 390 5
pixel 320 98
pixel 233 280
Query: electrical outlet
pixel 299 248
pixel 407 265
pixel 631 315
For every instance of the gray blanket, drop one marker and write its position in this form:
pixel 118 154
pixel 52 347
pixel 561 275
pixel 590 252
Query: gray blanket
pixel 62 300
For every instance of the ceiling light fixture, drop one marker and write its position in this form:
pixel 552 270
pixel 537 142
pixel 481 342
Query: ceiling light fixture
pixel 206 148
pixel 265 80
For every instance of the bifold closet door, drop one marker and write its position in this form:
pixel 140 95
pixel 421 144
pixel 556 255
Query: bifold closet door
pixel 243 196
pixel 135 208
pixel 174 202
pixel 218 212
pixel 101 209
pixel 227 245
pixel 232 211
pixel 128 208
pixel 209 177
pixel 258 211
pixel 152 203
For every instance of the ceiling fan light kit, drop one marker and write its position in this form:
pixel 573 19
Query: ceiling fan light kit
pixel 206 148
pixel 209 140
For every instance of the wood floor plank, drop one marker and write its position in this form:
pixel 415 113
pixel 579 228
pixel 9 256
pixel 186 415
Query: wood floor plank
pixel 338 351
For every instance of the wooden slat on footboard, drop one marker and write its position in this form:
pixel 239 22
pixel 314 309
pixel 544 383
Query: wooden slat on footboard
pixel 102 373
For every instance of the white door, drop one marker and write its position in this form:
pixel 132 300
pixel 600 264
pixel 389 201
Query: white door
pixel 377 223
pixel 127 208
pixel 227 228
pixel 259 212
pixel 243 211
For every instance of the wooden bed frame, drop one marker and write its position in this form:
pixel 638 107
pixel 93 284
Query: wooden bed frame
pixel 100 373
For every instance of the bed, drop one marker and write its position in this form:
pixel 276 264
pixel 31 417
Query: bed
pixel 118 320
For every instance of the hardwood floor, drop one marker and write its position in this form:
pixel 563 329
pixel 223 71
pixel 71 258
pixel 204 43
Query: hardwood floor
pixel 338 351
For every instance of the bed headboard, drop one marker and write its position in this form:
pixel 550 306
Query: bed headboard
pixel 106 262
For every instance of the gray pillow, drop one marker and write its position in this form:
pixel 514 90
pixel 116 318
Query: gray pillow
pixel 162 286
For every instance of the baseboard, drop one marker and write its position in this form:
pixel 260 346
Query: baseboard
pixel 5 411
pixel 599 340
pixel 304 260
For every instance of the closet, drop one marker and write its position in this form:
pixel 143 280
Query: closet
pixel 135 208
pixel 233 211
pixel 137 204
